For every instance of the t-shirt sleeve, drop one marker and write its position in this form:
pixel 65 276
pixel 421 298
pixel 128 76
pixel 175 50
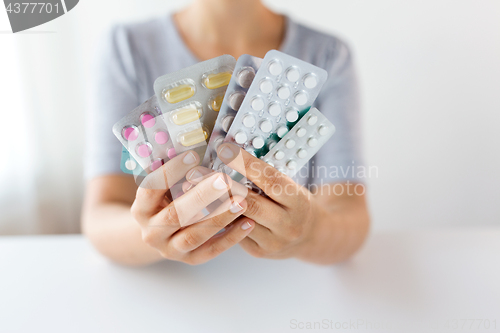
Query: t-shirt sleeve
pixel 113 93
pixel 340 159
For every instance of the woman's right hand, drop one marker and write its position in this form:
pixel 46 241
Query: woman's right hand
pixel 169 225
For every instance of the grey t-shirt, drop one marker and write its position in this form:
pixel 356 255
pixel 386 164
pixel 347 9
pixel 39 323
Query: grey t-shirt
pixel 132 56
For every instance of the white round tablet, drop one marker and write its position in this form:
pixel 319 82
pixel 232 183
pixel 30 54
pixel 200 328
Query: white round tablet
pixel 301 132
pixel 274 109
pixel 249 121
pixel 270 163
pixel 240 138
pixel 323 130
pixel 312 120
pixel 281 131
pixel 301 98
pixel 266 126
pixel 226 123
pixel 279 155
pixel 257 104
pixel 310 81
pixel 291 165
pixel 271 144
pixel 292 116
pixel 266 86
pixel 275 67
pixel 312 142
pixel 292 74
pixel 290 143
pixel 301 153
pixel 130 164
pixel 283 92
pixel 258 142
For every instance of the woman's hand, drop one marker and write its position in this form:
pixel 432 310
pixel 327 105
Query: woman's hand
pixel 285 220
pixel 169 226
pixel 292 222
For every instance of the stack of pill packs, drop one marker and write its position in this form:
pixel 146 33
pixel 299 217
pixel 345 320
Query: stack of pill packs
pixel 261 105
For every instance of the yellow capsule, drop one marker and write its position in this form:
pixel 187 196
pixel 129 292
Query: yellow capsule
pixel 193 137
pixel 179 93
pixel 217 102
pixel 186 115
pixel 214 81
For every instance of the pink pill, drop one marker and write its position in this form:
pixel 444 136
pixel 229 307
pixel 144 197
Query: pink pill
pixel 144 150
pixel 130 133
pixel 148 120
pixel 161 137
pixel 171 153
pixel 156 164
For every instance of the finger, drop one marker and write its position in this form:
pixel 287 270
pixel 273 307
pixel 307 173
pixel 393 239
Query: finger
pixel 195 235
pixel 251 247
pixel 264 211
pixel 186 186
pixel 221 242
pixel 275 184
pixel 171 172
pixel 261 235
pixel 199 197
pixel 199 173
pixel 150 196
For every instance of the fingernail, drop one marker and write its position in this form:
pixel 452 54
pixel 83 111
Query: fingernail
pixel 219 184
pixel 226 152
pixel 235 208
pixel 246 225
pixel 188 188
pixel 189 158
pixel 194 175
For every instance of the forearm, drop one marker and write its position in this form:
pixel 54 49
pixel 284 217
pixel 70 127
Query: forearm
pixel 340 229
pixel 112 230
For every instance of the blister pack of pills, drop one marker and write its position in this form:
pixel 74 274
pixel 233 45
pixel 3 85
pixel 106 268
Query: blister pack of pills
pixel 190 100
pixel 282 91
pixel 144 134
pixel 243 76
pixel 129 165
pixel 301 143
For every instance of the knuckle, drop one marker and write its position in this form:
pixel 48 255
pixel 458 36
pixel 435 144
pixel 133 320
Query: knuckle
pixel 253 208
pixel 199 196
pixel 215 249
pixel 274 180
pixel 135 211
pixel 150 237
pixel 231 238
pixel 169 216
pixel 188 243
pixel 295 232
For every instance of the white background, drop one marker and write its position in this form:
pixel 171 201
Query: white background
pixel 430 74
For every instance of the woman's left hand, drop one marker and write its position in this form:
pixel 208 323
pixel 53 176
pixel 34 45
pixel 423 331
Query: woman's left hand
pixel 285 220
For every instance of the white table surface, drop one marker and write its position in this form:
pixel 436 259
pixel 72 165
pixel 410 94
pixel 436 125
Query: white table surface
pixel 60 284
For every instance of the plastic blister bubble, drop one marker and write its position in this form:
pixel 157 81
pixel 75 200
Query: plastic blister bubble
pixel 190 100
pixel 301 143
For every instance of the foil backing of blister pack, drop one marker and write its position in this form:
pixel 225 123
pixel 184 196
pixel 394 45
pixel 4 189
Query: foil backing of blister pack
pixel 301 143
pixel 243 76
pixel 143 132
pixel 190 100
